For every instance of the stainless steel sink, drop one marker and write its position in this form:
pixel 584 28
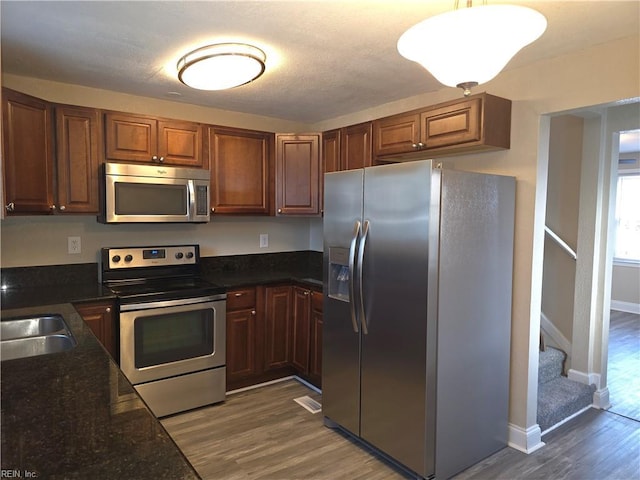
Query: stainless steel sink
pixel 31 327
pixel 32 336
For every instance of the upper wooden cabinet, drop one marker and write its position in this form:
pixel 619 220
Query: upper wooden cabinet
pixel 347 148
pixel 77 158
pixel 331 151
pixel 355 146
pixel 297 174
pixel 29 176
pixel 240 170
pixel 138 138
pixel 477 123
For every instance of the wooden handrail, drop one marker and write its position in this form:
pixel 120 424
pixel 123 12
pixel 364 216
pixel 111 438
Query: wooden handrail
pixel 560 242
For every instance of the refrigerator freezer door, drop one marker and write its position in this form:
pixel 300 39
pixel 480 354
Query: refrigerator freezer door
pixel 341 338
pixel 396 391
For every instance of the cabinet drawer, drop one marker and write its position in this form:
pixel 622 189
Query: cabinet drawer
pixel 241 299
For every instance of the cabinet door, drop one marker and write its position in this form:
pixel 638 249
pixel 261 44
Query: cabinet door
pixel 241 340
pixel 180 143
pixel 315 353
pixel 355 149
pixel 100 318
pixel 331 151
pixel 277 327
pixel 240 170
pixel 298 174
pixel 301 328
pixel 27 124
pixel 77 135
pixel 130 138
pixel 396 135
pixel 452 124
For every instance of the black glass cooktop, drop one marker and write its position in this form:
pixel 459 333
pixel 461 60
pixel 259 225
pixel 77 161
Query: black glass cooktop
pixel 163 289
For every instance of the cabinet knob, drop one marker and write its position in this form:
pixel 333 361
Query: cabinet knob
pixel 307 292
pixel 238 294
pixel 11 207
pixel 279 210
pixel 213 209
pixel 62 208
pixel 52 207
pixel 420 145
pixel 154 158
pixel 108 310
pixel 253 312
pixel 161 159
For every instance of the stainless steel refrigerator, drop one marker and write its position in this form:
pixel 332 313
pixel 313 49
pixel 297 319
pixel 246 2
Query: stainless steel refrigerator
pixel 417 312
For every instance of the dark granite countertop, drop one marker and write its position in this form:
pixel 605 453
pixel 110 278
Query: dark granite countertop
pixel 75 415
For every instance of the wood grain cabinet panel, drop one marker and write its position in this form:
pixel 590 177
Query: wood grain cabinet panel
pixel 143 139
pixel 396 134
pixel 240 170
pixel 278 316
pixel 355 146
pixel 331 151
pixel 298 174
pixel 301 329
pixel 180 143
pixel 101 319
pixel 315 342
pixel 28 131
pixel 477 123
pixel 78 158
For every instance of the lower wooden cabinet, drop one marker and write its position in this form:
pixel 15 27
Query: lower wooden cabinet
pixel 241 334
pixel 277 321
pixel 315 342
pixel 273 332
pixel 101 319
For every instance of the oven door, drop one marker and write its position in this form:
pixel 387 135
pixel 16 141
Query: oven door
pixel 170 338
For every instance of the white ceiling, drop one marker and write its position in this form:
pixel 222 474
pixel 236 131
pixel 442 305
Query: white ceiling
pixel 325 58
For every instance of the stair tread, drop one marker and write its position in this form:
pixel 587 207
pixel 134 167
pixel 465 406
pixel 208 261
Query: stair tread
pixel 560 398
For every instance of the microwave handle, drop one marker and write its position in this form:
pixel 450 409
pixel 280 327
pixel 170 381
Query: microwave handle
pixel 192 199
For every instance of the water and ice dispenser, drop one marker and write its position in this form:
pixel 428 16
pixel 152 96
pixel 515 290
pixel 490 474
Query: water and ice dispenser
pixel 339 273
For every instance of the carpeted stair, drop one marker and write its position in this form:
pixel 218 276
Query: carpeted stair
pixel 558 397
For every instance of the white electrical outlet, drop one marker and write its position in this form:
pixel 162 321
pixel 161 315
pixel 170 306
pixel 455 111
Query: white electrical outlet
pixel 264 240
pixel 73 245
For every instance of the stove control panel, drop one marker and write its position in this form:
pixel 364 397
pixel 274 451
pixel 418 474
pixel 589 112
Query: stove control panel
pixel 132 257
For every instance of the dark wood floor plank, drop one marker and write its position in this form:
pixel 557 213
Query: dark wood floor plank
pixel 263 434
pixel 623 371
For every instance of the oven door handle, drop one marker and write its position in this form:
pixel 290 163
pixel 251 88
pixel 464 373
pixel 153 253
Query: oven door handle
pixel 131 307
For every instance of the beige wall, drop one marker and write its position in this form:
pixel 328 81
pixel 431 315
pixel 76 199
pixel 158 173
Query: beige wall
pixel 563 195
pixel 580 79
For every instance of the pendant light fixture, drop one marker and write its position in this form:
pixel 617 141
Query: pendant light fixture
pixel 221 66
pixel 469 46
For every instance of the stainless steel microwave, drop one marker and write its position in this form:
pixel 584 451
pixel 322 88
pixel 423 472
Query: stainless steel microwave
pixel 154 194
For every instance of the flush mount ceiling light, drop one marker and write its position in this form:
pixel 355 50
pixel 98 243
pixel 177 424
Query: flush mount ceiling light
pixel 469 46
pixel 221 66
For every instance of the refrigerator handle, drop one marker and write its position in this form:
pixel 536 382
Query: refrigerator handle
pixel 361 245
pixel 352 266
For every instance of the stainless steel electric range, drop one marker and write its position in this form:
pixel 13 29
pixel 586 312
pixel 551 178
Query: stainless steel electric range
pixel 172 325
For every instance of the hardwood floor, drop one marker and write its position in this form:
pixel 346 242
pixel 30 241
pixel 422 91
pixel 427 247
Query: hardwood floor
pixel 623 371
pixel 263 434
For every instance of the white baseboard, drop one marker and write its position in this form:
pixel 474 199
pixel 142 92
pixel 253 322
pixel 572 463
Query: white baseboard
pixel 585 378
pixel 264 384
pixel 526 441
pixel 625 306
pixel 555 334
pixel 601 399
